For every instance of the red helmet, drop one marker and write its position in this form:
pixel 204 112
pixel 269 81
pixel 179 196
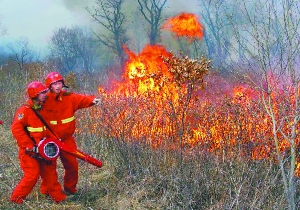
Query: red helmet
pixel 53 77
pixel 35 88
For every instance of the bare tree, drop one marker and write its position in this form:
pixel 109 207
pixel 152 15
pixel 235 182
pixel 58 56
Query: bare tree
pixel 218 33
pixel 109 15
pixel 2 32
pixel 20 52
pixel 86 48
pixel 137 32
pixel 270 40
pixel 63 47
pixel 74 48
pixel 152 12
pixel 2 28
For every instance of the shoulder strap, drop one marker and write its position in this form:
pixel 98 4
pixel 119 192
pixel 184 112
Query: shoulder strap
pixel 43 121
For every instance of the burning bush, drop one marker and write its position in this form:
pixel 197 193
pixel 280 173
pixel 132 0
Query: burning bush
pixel 164 106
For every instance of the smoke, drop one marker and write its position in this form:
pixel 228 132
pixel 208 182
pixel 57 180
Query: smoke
pixel 173 7
pixel 179 6
pixel 78 7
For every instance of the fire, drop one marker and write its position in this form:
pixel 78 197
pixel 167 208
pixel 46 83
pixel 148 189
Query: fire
pixel 158 103
pixel 236 125
pixel 243 95
pixel 185 24
pixel 144 70
pixel 148 63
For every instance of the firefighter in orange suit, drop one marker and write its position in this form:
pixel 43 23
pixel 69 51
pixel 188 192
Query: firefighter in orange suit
pixel 61 107
pixel 28 130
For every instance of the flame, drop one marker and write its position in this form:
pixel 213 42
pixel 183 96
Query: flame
pixel 148 63
pixel 185 24
pixel 147 107
pixel 243 95
pixel 144 72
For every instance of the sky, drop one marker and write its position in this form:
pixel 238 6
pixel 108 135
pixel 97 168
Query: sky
pixel 36 20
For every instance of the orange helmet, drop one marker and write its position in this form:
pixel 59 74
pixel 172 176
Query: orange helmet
pixel 53 77
pixel 35 88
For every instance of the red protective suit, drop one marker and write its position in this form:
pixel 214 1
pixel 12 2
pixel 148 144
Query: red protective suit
pixel 25 125
pixel 60 111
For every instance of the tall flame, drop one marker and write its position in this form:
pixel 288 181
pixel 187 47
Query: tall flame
pixel 227 125
pixel 185 24
pixel 141 70
pixel 148 62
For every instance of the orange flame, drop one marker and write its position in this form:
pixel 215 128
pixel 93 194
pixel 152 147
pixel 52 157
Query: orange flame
pixel 141 70
pixel 149 62
pixel 221 127
pixel 243 95
pixel 185 24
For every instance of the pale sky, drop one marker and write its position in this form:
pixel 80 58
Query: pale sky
pixel 36 19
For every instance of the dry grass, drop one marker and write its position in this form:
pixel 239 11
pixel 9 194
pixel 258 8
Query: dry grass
pixel 153 179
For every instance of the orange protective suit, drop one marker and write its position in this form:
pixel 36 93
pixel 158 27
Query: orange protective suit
pixel 28 130
pixel 60 111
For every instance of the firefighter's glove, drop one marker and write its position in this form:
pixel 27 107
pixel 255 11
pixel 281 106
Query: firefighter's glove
pixel 33 149
pixel 97 101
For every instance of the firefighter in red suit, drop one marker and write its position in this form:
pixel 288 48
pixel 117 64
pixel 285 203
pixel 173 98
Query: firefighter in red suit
pixel 28 130
pixel 61 107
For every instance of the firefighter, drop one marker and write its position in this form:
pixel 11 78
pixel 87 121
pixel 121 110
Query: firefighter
pixel 61 107
pixel 28 130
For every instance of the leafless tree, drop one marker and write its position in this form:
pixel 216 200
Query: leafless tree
pixel 152 12
pixel 2 28
pixel 74 48
pixel 63 47
pixel 270 40
pixel 20 52
pixel 108 13
pixel 218 33
pixel 2 32
pixel 87 49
